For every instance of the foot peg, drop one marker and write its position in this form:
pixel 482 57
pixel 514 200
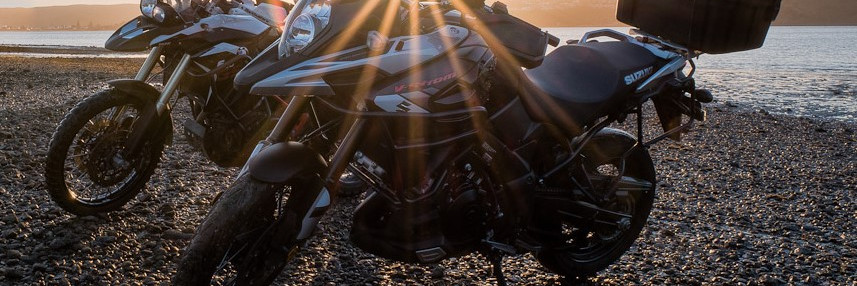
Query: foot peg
pixel 702 95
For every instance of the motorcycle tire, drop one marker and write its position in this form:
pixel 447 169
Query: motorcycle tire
pixel 74 129
pixel 247 205
pixel 578 264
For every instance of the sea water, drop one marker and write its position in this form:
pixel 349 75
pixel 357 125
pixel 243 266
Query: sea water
pixel 801 71
pixel 55 38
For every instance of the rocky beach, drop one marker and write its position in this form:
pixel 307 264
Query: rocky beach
pixel 748 198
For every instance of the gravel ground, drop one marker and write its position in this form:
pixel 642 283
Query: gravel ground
pixel 747 198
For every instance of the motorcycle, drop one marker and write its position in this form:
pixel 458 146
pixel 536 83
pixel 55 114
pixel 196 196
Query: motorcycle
pixel 430 104
pixel 107 147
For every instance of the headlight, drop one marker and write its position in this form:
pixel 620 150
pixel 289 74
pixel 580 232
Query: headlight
pixel 306 20
pixel 150 9
pixel 147 7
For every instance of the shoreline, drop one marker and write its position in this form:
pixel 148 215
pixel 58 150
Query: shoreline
pixel 77 52
pixel 41 51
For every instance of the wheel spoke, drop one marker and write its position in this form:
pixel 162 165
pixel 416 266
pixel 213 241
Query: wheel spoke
pixel 89 173
pixel 87 187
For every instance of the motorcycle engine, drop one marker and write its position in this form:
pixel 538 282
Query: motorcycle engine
pixel 226 139
pixel 450 222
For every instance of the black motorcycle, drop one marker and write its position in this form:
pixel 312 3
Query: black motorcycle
pixel 465 150
pixel 107 147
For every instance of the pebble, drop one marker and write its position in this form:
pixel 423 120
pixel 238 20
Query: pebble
pixel 40 267
pixel 437 272
pixel 769 280
pixel 60 243
pixel 175 235
pixel 12 273
pixel 107 239
pixel 14 254
pixel 802 251
pixel 10 233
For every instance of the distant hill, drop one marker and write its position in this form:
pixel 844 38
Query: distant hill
pixel 75 17
pixel 554 13
pixel 818 13
pixel 545 13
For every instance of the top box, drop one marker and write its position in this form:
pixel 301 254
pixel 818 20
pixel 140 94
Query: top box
pixel 709 26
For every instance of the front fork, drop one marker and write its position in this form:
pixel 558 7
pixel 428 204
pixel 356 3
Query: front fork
pixel 172 84
pixel 149 64
pixel 151 118
pixel 142 75
pixel 337 163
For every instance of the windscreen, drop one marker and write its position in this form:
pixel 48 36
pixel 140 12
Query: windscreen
pixel 184 7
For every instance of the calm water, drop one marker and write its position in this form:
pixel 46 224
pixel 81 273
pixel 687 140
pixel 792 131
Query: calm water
pixel 804 71
pixel 55 38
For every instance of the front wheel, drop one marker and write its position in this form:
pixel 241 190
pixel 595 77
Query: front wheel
pixel 246 237
pixel 86 171
pixel 580 248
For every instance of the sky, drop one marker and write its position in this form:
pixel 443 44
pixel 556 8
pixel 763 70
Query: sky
pixel 40 3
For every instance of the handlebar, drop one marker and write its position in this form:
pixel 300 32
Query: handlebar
pixel 552 40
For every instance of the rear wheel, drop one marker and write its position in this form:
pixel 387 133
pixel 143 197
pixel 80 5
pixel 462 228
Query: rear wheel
pixel 246 239
pixel 580 249
pixel 87 171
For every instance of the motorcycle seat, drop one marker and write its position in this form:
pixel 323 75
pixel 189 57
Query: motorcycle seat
pixel 577 84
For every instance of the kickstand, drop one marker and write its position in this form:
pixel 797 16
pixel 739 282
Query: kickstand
pixel 497 261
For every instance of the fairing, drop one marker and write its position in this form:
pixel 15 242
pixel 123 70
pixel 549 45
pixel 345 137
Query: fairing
pixel 136 35
pixel 404 53
pixel 350 21
pixel 221 49
pixel 218 28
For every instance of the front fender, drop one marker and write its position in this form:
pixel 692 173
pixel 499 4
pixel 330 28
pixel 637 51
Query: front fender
pixel 148 123
pixel 279 163
pixel 136 88
pixel 617 134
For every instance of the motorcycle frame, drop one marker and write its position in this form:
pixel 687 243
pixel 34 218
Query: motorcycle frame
pixel 339 161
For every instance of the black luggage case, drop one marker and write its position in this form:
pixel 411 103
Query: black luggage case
pixel 710 26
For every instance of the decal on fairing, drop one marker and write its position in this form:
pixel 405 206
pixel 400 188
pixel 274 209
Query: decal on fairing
pixel 634 77
pixel 397 103
pixel 420 85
